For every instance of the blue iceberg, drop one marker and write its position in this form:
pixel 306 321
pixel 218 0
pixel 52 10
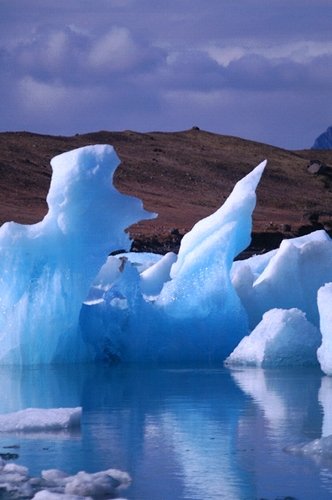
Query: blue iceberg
pixel 62 301
pixel 47 268
pixel 65 299
pixel 182 309
pixel 287 296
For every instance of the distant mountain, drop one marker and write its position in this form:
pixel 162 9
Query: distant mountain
pixel 324 141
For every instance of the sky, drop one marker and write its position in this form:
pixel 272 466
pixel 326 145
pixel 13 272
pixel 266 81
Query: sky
pixel 257 69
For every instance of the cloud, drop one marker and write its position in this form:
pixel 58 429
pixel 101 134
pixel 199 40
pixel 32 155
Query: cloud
pixel 255 72
pixel 68 56
pixel 299 51
pixel 144 64
pixel 72 58
pixel 245 70
pixel 118 52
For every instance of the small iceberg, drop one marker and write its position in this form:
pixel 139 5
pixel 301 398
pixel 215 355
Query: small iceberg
pixel 41 420
pixel 284 337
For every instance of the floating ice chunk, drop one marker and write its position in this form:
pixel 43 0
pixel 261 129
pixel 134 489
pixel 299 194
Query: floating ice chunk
pixel 324 353
pixel 98 485
pixel 41 420
pixel 15 483
pixel 305 262
pixel 282 338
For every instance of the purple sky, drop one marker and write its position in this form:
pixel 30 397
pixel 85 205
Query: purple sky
pixel 258 69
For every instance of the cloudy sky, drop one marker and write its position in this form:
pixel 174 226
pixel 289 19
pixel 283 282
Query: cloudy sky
pixel 258 69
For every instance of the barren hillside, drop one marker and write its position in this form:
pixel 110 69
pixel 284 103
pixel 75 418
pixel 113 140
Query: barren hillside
pixel 183 176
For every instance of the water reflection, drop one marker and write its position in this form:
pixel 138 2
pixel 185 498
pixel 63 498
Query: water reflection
pixel 325 399
pixel 294 407
pixel 182 422
pixel 184 433
pixel 287 398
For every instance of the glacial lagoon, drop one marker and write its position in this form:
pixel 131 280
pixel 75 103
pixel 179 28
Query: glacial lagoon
pixel 182 433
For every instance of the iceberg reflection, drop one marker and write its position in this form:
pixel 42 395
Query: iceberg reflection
pixel 179 432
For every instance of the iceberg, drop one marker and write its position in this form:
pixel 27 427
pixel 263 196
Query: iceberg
pixel 263 284
pixel 282 338
pixel 47 268
pixel 41 420
pixel 65 299
pixel 263 281
pixel 181 310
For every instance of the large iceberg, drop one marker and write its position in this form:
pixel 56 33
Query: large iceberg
pixel 183 308
pixel 64 298
pixel 47 268
pixel 178 310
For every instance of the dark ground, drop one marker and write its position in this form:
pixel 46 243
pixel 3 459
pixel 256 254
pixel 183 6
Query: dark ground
pixel 184 176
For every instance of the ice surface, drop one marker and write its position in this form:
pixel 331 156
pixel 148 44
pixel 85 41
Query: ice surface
pixel 324 353
pixel 154 278
pixel 41 420
pixel 284 337
pixel 16 483
pixel 154 271
pixel 263 282
pixel 47 268
pixel 197 316
pixel 235 213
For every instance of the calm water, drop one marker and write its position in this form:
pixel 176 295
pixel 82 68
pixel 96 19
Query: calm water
pixel 181 433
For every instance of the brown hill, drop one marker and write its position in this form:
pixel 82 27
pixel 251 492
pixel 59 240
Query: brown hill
pixel 183 176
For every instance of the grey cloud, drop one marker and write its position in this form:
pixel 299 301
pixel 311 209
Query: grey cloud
pixel 186 21
pixel 191 70
pixel 195 70
pixel 67 56
pixel 70 67
pixel 259 73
